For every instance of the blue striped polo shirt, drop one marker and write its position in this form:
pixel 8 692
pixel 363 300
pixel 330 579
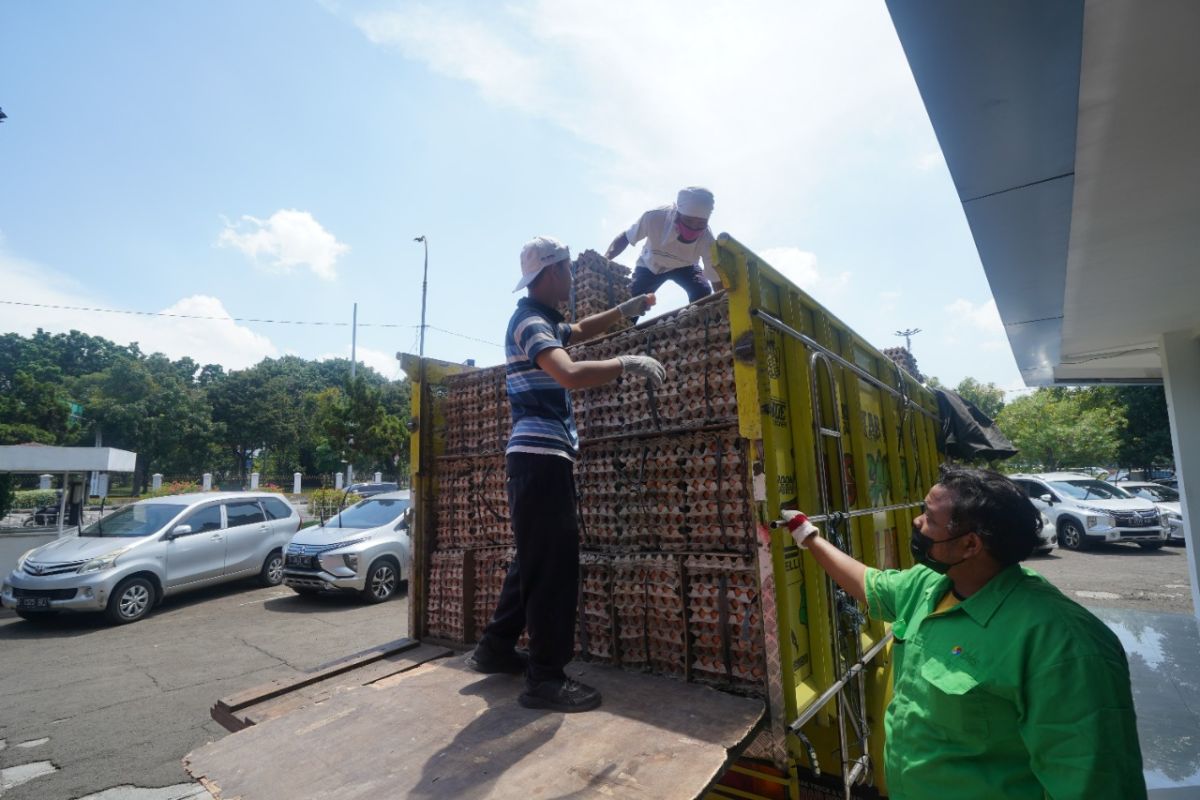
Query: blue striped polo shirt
pixel 542 415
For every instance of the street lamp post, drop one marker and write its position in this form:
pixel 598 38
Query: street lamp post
pixel 424 286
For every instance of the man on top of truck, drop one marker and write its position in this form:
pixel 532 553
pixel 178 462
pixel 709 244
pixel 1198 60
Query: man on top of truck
pixel 677 240
pixel 1003 686
pixel 541 589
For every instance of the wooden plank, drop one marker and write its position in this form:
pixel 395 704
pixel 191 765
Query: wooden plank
pixel 442 731
pixel 342 682
pixel 277 697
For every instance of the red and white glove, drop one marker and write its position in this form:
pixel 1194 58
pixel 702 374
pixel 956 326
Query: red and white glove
pixel 800 527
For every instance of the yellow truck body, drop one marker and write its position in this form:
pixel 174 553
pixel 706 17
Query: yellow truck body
pixel 824 423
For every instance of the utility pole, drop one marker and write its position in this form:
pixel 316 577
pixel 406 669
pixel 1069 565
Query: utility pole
pixel 424 287
pixel 908 333
pixel 353 365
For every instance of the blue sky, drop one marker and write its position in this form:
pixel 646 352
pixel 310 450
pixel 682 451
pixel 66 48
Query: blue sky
pixel 276 159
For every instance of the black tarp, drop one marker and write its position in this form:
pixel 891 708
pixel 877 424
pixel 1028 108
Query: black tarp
pixel 967 433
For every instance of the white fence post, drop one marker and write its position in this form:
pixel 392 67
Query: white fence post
pixel 156 481
pixel 207 482
pixel 337 481
pixel 253 481
pixel 296 483
pixel 379 477
pixel 43 482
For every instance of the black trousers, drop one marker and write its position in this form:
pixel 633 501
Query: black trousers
pixel 541 589
pixel 690 278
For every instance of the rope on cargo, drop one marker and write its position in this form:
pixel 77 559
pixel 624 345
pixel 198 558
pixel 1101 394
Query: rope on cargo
pixel 708 409
pixel 720 491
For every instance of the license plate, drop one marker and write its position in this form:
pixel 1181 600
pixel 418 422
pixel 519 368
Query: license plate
pixel 33 602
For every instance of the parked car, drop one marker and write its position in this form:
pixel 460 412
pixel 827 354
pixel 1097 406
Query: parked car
pixel 127 562
pixel 1167 500
pixel 1087 511
pixel 363 549
pixel 1048 536
pixel 372 489
pixel 1170 483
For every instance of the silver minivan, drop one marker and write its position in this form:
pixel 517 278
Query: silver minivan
pixel 131 559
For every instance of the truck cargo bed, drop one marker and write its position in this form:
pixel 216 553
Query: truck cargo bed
pixel 440 730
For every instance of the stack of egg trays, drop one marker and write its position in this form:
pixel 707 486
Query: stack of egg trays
pixel 599 285
pixel 682 492
pixel 491 566
pixel 694 346
pixel 725 624
pixel 648 603
pixel 476 412
pixel 449 592
pixel 595 627
pixel 472 502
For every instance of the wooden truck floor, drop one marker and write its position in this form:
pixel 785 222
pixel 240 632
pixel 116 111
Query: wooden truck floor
pixel 388 725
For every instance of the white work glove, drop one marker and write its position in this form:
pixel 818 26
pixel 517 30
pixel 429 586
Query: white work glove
pixel 636 306
pixel 644 367
pixel 800 527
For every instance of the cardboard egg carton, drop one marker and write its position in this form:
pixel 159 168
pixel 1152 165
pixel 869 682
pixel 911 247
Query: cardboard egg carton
pixel 725 621
pixel 491 566
pixel 445 607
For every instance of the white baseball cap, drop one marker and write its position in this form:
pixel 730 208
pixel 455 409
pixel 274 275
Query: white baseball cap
pixel 537 254
pixel 695 201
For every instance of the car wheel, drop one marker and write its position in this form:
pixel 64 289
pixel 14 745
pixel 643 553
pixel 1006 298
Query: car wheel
pixel 271 573
pixel 382 580
pixel 35 616
pixel 1071 536
pixel 130 601
pixel 1151 545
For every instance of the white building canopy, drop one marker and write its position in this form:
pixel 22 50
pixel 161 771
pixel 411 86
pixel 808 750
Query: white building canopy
pixel 38 459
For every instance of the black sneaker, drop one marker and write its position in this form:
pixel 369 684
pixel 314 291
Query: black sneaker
pixel 486 661
pixel 565 695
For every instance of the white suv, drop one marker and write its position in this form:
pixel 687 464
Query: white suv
pixel 1087 511
pixel 364 549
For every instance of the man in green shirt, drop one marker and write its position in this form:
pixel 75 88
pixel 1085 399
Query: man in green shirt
pixel 1003 686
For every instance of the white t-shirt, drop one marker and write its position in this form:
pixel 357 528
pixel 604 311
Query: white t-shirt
pixel 663 251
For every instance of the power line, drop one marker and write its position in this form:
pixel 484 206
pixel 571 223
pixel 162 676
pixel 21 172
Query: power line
pixel 244 319
pixel 201 316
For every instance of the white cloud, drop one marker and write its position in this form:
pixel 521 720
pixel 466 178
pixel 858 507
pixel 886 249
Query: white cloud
pixel 286 240
pixel 984 317
pixel 930 160
pixel 800 266
pixel 383 363
pixel 667 110
pixel 216 341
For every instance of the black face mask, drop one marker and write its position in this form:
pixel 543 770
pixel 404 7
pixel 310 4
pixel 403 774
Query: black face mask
pixel 921 545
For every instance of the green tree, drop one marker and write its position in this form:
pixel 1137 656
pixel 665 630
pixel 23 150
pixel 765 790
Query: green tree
pixel 1146 441
pixel 1056 428
pixel 148 406
pixel 987 397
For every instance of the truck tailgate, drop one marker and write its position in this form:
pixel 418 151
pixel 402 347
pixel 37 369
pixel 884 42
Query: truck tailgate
pixel 443 731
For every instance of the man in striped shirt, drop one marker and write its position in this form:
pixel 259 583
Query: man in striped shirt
pixel 541 590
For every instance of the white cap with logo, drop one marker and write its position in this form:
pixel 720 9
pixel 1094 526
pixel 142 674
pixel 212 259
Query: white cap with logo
pixel 538 253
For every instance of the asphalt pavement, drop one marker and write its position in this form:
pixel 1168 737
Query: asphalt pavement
pixel 85 707
pixel 1121 576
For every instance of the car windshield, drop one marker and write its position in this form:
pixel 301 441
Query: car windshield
pixel 368 514
pixel 1157 494
pixel 1090 490
pixel 135 520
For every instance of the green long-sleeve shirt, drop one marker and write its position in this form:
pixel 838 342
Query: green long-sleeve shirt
pixel 1016 692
